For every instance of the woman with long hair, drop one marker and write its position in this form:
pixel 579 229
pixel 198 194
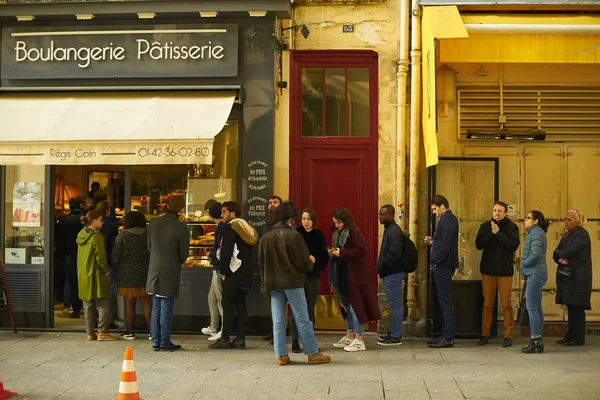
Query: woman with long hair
pixel 574 276
pixel 317 248
pixel 350 279
pixel 534 274
pixel 131 259
pixel 92 276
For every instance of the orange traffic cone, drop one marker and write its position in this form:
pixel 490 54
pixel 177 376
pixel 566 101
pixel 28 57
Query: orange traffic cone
pixel 128 388
pixel 5 394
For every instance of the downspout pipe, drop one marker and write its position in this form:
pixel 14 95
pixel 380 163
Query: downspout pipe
pixel 415 147
pixel 402 112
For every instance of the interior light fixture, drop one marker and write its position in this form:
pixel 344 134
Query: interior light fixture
pixel 25 18
pixel 84 17
pixel 257 13
pixel 146 15
pixel 506 134
pixel 208 14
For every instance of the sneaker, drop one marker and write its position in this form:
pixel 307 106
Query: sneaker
pixel 171 347
pixel 216 336
pixel 106 337
pixel 356 345
pixel 283 360
pixel 238 344
pixel 390 341
pixel 208 331
pixel 220 345
pixel 149 337
pixel 92 337
pixel 507 342
pixel 128 336
pixel 483 341
pixel 343 342
pixel 318 358
pixel 386 336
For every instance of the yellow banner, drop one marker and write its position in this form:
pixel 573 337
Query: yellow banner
pixel 107 153
pixel 436 23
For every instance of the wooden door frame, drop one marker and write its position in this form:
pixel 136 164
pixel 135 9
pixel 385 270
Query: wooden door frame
pixel 336 59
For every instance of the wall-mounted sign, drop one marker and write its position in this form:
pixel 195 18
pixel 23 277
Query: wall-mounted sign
pixel 27 202
pixel 15 255
pixel 207 50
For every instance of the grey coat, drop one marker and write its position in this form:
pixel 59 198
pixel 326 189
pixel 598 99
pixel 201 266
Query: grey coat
pixel 169 245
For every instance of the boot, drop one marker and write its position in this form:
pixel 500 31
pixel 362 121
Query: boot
pixel 318 358
pixel 534 345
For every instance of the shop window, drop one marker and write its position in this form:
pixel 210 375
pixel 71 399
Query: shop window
pixel 335 102
pixel 24 223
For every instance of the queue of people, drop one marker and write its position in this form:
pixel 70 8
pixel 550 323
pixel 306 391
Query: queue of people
pixel 147 267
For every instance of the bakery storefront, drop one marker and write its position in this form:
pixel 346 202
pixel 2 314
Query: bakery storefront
pixel 147 109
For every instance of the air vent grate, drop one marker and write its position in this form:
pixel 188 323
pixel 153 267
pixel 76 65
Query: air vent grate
pixel 26 290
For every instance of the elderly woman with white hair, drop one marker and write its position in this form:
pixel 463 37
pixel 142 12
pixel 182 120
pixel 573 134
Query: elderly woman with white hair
pixel 574 276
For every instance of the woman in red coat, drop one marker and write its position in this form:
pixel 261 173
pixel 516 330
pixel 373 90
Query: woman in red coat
pixel 350 279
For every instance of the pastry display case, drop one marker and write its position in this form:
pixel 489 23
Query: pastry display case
pixel 202 241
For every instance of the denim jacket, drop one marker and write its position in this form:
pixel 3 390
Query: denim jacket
pixel 534 252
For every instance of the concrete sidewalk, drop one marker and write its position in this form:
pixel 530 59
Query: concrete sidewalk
pixel 65 366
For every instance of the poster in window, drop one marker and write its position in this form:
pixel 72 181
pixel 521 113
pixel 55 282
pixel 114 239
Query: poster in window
pixel 27 204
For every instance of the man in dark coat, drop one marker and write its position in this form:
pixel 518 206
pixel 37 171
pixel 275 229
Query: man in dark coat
pixel 110 231
pixel 168 242
pixel 389 268
pixel 444 261
pixel 235 264
pixel 73 225
pixel 499 239
pixel 574 276
pixel 284 261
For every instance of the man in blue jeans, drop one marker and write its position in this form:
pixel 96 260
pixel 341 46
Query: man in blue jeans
pixel 444 261
pixel 389 268
pixel 284 261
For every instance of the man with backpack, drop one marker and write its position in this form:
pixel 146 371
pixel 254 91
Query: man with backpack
pixel 396 258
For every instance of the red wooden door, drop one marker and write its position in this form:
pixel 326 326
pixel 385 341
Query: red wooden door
pixel 333 148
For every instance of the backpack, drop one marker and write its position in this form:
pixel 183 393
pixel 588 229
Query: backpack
pixel 409 257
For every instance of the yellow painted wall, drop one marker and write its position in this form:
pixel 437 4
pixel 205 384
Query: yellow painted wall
pixel 375 28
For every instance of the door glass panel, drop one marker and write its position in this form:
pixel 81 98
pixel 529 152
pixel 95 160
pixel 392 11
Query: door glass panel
pixel 24 222
pixel 469 187
pixel 358 102
pixel 312 102
pixel 335 106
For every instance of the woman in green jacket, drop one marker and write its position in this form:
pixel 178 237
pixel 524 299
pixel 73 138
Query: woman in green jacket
pixel 92 274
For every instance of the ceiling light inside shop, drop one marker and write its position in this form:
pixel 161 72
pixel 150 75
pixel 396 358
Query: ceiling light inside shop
pixel 25 18
pixel 257 13
pixel 208 14
pixel 146 15
pixel 84 17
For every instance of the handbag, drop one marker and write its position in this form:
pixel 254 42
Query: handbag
pixel 565 269
pixel 522 314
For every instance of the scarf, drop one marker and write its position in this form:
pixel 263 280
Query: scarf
pixel 339 279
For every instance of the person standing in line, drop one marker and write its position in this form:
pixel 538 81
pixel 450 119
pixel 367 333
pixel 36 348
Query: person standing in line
pixel 574 276
pixel 73 226
pixel 444 261
pixel 92 273
pixel 272 203
pixel 215 293
pixel 110 231
pixel 317 248
pixel 130 260
pixel 499 239
pixel 94 188
pixel 534 275
pixel 350 280
pixel 389 268
pixel 236 260
pixel 284 262
pixel 169 246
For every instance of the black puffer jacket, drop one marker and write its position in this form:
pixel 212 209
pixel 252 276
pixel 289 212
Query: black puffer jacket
pixel 317 247
pixel 131 258
pixel 499 249
pixel 575 290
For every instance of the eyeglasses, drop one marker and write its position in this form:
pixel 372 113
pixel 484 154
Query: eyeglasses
pixel 527 218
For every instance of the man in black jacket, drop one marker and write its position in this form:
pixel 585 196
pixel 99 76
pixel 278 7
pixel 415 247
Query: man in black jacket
pixel 444 261
pixel 235 265
pixel 389 268
pixel 499 239
pixel 284 261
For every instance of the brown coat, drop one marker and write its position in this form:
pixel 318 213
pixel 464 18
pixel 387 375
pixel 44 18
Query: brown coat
pixel 362 297
pixel 283 258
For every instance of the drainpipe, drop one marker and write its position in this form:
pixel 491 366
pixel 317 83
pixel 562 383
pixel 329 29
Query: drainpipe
pixel 415 147
pixel 402 108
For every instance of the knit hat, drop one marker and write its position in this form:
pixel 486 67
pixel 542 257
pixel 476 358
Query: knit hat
pixel 215 210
